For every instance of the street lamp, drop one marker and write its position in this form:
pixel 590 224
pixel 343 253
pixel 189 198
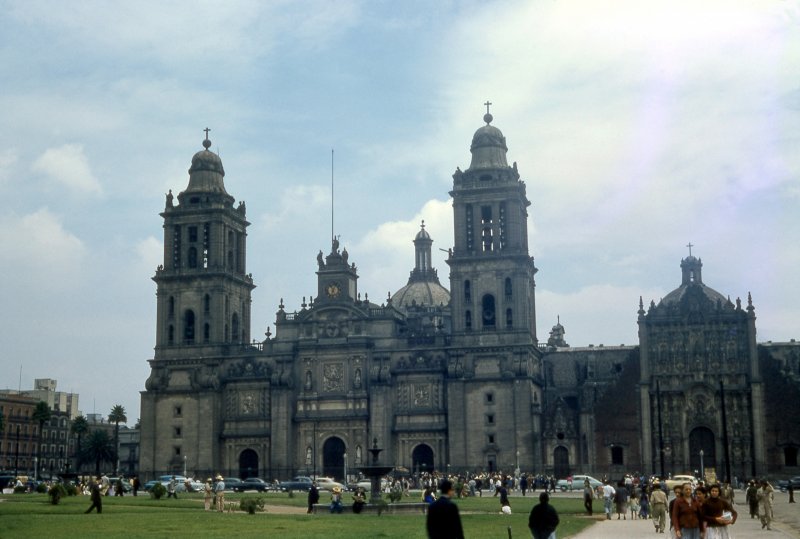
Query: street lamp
pixel 16 456
pixel 702 467
pixel 345 468
pixel 517 470
pixel 35 468
pixel 184 466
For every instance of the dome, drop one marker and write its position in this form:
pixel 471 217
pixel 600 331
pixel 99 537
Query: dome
pixel 421 293
pixel 488 147
pixel 422 234
pixel 206 173
pixel 692 279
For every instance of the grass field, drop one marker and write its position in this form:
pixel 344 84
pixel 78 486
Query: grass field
pixel 31 515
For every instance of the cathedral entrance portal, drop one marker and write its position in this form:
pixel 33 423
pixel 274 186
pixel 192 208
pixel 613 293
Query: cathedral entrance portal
pixel 248 464
pixel 422 458
pixel 701 438
pixel 333 458
pixel 561 462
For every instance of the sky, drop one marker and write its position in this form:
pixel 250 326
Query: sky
pixel 638 128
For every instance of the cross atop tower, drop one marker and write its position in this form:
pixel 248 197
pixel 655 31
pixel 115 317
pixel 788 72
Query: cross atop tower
pixel 488 104
pixel 206 130
pixel 690 245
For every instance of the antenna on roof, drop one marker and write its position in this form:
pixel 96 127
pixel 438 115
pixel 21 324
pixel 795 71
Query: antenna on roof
pixel 332 236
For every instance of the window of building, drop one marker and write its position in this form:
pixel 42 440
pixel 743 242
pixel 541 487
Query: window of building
pixel 235 327
pixel 206 332
pixel 489 398
pixel 790 456
pixel 467 291
pixel 206 303
pixel 487 232
pixel 501 221
pixel 617 455
pixel 490 419
pixel 206 243
pixel 188 326
pixel 487 312
pixel 171 334
pixel 509 319
pixel 468 319
pixel 171 307
pixel 177 432
pixel 176 247
pixel 490 438
pixel 192 234
pixel 177 451
pixel 508 288
pixel 178 411
pixel 192 262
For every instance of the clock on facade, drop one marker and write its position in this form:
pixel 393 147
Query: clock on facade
pixel 333 290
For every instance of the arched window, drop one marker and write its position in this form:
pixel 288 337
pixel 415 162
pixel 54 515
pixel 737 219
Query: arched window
pixel 192 257
pixel 509 319
pixel 488 311
pixel 617 456
pixel 467 291
pixel 188 326
pixel 508 288
pixel 468 319
pixel 206 303
pixel 206 332
pixel 171 334
pixel 235 327
pixel 171 307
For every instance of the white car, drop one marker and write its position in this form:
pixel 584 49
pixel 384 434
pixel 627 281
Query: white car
pixel 327 483
pixel 676 480
pixel 577 483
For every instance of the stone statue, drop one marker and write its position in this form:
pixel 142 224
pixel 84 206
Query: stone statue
pixel 320 261
pixel 169 199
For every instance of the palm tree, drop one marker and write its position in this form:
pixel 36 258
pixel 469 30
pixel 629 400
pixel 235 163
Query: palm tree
pixel 42 414
pixel 98 447
pixel 79 427
pixel 117 416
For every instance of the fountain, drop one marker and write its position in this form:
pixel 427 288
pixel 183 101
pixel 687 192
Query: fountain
pixel 374 472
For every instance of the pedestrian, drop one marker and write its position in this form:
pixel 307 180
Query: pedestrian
pixel 172 487
pixel 658 505
pixel 135 485
pixel 313 497
pixel 588 496
pixel 219 492
pixel 621 500
pixel 208 492
pixel 765 497
pixel 97 499
pixel 543 519
pixel 505 505
pixel 751 495
pixel 359 500
pixel 718 514
pixel 523 484
pixel 686 515
pixel 119 488
pixel 608 497
pixel 443 520
pixel 790 488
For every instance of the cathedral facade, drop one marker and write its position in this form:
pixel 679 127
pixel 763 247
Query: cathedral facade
pixel 442 379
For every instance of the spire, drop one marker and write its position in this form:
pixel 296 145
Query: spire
pixel 423 268
pixel 488 146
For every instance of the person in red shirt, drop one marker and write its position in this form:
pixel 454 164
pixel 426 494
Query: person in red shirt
pixel 715 511
pixel 686 515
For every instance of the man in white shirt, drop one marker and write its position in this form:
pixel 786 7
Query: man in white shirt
pixel 219 490
pixel 608 497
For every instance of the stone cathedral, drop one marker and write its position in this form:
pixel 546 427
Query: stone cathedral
pixel 445 379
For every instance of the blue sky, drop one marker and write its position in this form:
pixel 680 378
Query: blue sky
pixel 638 127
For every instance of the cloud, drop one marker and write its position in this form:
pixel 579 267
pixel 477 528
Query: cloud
pixel 68 166
pixel 36 248
pixel 8 158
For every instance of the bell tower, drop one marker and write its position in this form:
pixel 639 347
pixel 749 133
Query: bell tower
pixel 491 273
pixel 203 289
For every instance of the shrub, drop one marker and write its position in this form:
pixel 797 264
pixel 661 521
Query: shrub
pixel 380 505
pixel 20 489
pixel 56 492
pixel 291 493
pixel 395 495
pixel 72 490
pixel 158 491
pixel 251 504
pixel 41 488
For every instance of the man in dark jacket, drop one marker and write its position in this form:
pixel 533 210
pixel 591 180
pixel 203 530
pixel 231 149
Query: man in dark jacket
pixel 443 520
pixel 543 520
pixel 97 500
pixel 313 497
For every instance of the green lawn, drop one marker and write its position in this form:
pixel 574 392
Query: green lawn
pixel 31 515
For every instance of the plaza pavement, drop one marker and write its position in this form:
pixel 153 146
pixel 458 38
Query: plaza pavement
pixel 785 525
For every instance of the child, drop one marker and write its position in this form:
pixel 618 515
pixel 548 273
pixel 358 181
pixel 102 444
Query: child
pixel 634 505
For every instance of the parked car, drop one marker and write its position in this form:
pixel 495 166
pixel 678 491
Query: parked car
pixel 784 484
pixel 126 486
pixel 327 483
pixel 150 484
pixel 577 483
pixel 233 483
pixel 676 480
pixel 253 483
pixel 301 482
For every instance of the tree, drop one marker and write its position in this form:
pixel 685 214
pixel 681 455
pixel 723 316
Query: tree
pixel 41 414
pixel 79 427
pixel 98 448
pixel 117 416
